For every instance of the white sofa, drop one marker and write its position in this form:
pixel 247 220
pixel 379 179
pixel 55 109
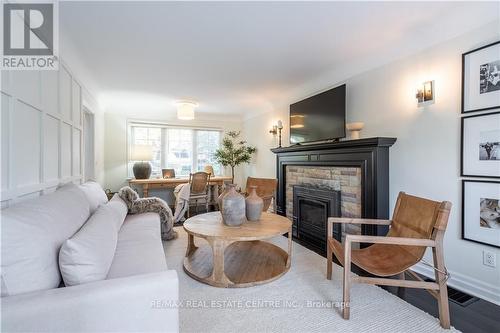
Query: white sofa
pixel 34 297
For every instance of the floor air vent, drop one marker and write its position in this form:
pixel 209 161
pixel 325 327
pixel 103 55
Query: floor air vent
pixel 457 296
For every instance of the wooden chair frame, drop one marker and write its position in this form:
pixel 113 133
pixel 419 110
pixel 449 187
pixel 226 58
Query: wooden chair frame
pixel 438 289
pixel 269 185
pixel 205 195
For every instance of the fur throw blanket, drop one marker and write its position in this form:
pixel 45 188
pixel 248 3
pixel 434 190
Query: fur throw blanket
pixel 138 205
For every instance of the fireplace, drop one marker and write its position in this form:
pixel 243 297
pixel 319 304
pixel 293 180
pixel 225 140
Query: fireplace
pixel 312 206
pixel 359 169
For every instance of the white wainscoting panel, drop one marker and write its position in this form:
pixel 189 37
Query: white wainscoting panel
pixel 25 145
pixel 76 152
pixel 51 149
pixel 41 133
pixel 4 136
pixel 50 93
pixel 5 87
pixel 26 87
pixel 76 104
pixel 65 94
pixel 65 151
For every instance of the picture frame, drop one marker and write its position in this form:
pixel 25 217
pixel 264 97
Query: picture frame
pixel 481 212
pixel 481 78
pixel 480 145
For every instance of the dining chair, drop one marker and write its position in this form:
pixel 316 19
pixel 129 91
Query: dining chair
pixel 417 223
pixel 266 189
pixel 199 189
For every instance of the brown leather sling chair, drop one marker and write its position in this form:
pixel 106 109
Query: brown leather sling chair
pixel 417 223
pixel 266 189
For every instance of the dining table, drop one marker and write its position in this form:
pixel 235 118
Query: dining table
pixel 170 183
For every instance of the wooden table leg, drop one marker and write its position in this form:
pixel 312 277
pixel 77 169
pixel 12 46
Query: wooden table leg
pixel 218 247
pixel 191 247
pixel 289 259
pixel 145 190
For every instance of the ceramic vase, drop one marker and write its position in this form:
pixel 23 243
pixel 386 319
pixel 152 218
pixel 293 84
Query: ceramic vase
pixel 221 196
pixel 355 129
pixel 233 207
pixel 254 205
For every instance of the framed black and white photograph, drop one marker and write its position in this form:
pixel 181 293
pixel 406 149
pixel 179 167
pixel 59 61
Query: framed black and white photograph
pixel 481 78
pixel 481 212
pixel 481 145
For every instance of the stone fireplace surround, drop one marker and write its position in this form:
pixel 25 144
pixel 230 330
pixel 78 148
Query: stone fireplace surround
pixel 347 180
pixel 344 179
pixel 358 168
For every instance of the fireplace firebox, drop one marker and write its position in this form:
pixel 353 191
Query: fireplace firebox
pixel 312 206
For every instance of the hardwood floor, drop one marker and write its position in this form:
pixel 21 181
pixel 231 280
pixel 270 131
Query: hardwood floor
pixel 477 317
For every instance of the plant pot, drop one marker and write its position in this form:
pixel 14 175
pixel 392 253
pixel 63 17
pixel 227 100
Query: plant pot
pixel 233 208
pixel 254 205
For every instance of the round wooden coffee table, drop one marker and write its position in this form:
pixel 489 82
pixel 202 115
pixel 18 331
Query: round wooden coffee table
pixel 236 256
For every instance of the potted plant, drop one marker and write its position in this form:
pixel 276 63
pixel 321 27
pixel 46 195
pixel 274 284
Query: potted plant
pixel 233 151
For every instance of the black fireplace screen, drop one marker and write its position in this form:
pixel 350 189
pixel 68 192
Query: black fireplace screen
pixel 311 208
pixel 312 213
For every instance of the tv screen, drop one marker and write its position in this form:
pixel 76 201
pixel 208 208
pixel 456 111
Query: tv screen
pixel 319 118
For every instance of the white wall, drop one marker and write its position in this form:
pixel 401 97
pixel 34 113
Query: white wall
pixel 425 160
pixel 93 106
pixel 73 57
pixel 41 132
pixel 116 140
pixel 42 128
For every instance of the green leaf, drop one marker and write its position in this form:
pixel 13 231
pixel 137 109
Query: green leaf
pixel 234 152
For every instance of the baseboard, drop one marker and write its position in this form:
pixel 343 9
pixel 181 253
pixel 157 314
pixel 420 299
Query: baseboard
pixel 466 284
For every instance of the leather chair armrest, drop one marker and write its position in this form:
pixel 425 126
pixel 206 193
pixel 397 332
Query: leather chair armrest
pixel 390 240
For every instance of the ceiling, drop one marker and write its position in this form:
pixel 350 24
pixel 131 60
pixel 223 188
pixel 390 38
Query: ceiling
pixel 239 58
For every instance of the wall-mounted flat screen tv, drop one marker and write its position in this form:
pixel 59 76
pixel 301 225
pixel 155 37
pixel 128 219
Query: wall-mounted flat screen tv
pixel 319 118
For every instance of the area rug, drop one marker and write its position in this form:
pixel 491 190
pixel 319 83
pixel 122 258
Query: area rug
pixel 302 300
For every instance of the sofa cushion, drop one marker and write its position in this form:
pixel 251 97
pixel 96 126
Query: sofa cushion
pixel 139 249
pixel 121 208
pixel 95 195
pixel 32 234
pixel 87 256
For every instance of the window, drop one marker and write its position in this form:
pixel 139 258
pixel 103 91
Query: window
pixel 207 143
pixel 179 151
pixel 184 149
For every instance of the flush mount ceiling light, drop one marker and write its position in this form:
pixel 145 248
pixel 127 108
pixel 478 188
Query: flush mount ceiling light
pixel 185 110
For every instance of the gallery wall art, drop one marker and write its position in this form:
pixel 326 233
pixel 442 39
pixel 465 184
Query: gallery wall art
pixel 481 145
pixel 481 212
pixel 481 78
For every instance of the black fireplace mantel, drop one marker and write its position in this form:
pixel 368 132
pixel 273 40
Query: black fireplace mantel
pixel 368 142
pixel 371 155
